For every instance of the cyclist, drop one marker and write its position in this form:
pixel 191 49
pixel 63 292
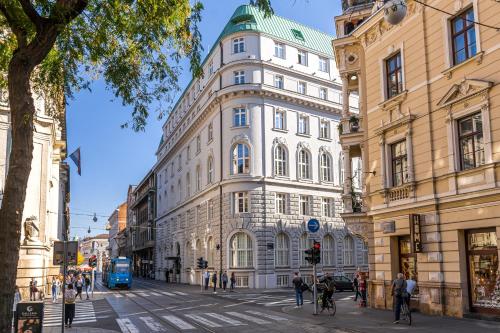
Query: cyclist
pixel 328 287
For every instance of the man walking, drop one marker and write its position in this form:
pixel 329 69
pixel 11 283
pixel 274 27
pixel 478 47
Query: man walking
pixel 79 286
pixel 233 281
pixel 87 285
pixel 224 280
pixel 206 276
pixel 355 286
pixel 398 289
pixel 297 284
pixel 33 289
pixel 214 280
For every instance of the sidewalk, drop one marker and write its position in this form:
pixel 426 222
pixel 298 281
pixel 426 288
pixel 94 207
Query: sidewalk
pixel 351 318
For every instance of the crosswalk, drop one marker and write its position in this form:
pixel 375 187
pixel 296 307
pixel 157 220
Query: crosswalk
pixel 261 299
pixel 84 313
pixel 193 321
pixel 150 294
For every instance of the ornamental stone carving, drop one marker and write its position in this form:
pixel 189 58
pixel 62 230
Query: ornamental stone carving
pixel 31 231
pixel 240 138
pixel 303 145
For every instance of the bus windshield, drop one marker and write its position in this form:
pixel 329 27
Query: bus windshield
pixel 120 268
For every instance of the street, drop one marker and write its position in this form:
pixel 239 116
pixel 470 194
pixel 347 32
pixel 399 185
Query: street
pixel 153 306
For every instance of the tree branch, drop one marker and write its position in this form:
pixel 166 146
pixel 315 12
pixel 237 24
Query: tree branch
pixel 18 29
pixel 66 10
pixel 32 14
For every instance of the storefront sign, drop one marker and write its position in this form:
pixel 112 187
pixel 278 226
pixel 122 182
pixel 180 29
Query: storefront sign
pixel 388 227
pixel 29 317
pixel 415 233
pixel 72 253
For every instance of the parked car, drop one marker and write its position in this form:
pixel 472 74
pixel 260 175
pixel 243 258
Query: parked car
pixel 343 283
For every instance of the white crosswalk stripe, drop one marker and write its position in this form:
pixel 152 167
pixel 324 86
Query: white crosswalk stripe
pixel 180 293
pixel 126 325
pixel 249 318
pixel 225 319
pixel 153 293
pixel 202 320
pixel 266 315
pixel 153 325
pixel 167 293
pixel 181 324
pixel 84 313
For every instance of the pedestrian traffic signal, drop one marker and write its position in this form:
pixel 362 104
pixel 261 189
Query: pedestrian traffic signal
pixel 316 252
pixel 309 255
pixel 201 263
pixel 205 264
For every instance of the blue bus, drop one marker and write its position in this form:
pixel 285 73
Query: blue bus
pixel 117 273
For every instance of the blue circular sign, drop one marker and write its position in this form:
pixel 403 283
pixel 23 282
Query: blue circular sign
pixel 313 225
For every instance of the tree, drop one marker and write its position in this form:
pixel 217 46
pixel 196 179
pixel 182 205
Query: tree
pixel 55 47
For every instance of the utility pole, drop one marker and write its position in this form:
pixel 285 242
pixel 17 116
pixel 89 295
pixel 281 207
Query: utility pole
pixel 315 290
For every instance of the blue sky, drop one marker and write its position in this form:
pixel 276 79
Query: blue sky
pixel 113 158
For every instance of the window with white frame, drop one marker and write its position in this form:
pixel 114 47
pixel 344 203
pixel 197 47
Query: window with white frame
pixel 327 251
pixel 188 153
pixel 279 82
pixel 241 249
pixel 239 117
pixel 198 144
pixel 211 68
pixel 280 119
pixel 239 45
pixel 179 189
pixel 211 252
pixel 179 162
pixel 302 87
pixel 210 209
pixel 282 280
pixel 399 163
pixel 327 207
pixel 239 77
pixel 279 50
pixel 303 125
pixel 210 132
pixel 324 129
pixel 188 185
pixel 282 250
pixel 280 161
pixel 348 251
pixel 241 204
pixel 241 159
pixel 305 204
pixel 198 178
pixel 304 164
pixel 323 93
pixel 280 203
pixel 463 36
pixel 394 75
pixel 210 170
pixel 323 64
pixel 305 243
pixel 172 169
pixel 302 57
pixel 325 166
pixel 470 141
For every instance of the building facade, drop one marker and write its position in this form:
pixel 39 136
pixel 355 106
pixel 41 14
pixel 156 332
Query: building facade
pixel 95 245
pixel 249 154
pixel 428 135
pixel 117 222
pixel 47 194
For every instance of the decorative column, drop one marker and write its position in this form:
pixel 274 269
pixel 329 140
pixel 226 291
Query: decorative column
pixel 345 103
pixel 347 179
pixel 363 170
pixel 409 152
pixel 383 162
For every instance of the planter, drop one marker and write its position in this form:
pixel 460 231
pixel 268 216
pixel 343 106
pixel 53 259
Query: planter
pixel 354 124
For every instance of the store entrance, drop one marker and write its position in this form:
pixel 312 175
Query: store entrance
pixel 484 277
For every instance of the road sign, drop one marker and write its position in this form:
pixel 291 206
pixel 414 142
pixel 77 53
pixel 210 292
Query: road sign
pixel 313 225
pixel 72 253
pixel 29 317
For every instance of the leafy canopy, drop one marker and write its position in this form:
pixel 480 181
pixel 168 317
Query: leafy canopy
pixel 134 45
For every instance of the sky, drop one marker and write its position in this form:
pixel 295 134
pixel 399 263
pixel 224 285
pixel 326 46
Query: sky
pixel 112 157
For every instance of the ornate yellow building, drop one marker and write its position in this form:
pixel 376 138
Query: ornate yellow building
pixel 429 136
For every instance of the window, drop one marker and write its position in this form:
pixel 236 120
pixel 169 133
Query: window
pixel 280 120
pixel 172 169
pixel 305 204
pixel 278 81
pixel 327 249
pixel 210 132
pixel 282 251
pixel 471 143
pixel 348 251
pixel 324 129
pixel 240 202
pixel 280 203
pixel 198 178
pixel 179 184
pixel 364 252
pixel 305 243
pixel 188 153
pixel 210 170
pixel 239 77
pixel 325 166
pixel 198 144
pixel 241 159
pixel 188 185
pixel 323 93
pixel 399 163
pixel 179 161
pixel 303 127
pixel 323 64
pixel 282 280
pixel 241 251
pixel 304 164
pixel 302 57
pixel 280 161
pixel 463 36
pixel 279 50
pixel 239 45
pixel 301 88
pixel 327 207
pixel 239 117
pixel 394 77
pixel 211 252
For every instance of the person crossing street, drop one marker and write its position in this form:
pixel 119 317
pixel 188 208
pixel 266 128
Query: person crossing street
pixel 206 276
pixel 214 281
pixel 297 284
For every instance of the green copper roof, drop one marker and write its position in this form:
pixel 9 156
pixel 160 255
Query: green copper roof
pixel 250 18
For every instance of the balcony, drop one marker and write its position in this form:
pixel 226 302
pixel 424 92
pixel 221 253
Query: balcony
pixel 351 130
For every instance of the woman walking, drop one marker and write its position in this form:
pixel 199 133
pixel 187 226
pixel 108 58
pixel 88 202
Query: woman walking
pixel 233 281
pixel 224 281
pixel 55 289
pixel 69 305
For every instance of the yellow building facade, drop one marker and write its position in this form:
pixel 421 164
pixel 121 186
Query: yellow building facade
pixel 428 133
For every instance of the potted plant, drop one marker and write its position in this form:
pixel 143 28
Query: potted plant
pixel 354 123
pixel 340 128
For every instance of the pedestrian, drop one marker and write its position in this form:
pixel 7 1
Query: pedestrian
pixel 233 281
pixel 88 284
pixel 69 305
pixel 167 272
pixel 297 283
pixel 362 288
pixel 17 299
pixel 355 286
pixel 55 284
pixel 206 276
pixel 79 286
pixel 214 280
pixel 328 290
pixel 224 281
pixel 33 289
pixel 397 290
pixel 410 287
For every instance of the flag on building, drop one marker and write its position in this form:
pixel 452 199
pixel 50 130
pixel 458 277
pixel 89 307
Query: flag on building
pixel 76 158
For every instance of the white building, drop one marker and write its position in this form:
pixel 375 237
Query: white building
pixel 95 245
pixel 117 222
pixel 249 154
pixel 46 194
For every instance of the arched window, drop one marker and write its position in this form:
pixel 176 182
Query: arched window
pixel 282 250
pixel 210 170
pixel 280 161
pixel 198 249
pixel 188 185
pixel 198 178
pixel 189 255
pixel 325 166
pixel 348 251
pixel 241 159
pixel 304 164
pixel 241 249
pixel 305 243
pixel 211 252
pixel 327 251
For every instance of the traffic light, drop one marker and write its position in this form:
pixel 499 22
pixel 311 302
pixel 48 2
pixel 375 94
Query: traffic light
pixel 201 263
pixel 316 252
pixel 93 261
pixel 309 253
pixel 205 264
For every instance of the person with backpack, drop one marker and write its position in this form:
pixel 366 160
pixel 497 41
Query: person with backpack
pixel 79 286
pixel 362 289
pixel 233 281
pixel 398 290
pixel 214 281
pixel 224 281
pixel 69 305
pixel 297 283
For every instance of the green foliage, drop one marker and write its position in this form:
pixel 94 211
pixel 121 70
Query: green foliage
pixel 133 45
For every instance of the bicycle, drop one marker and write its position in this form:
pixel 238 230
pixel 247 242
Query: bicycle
pixel 405 311
pixel 331 307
